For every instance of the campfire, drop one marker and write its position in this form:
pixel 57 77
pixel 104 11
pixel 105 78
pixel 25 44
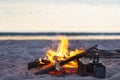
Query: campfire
pixel 62 53
pixel 65 61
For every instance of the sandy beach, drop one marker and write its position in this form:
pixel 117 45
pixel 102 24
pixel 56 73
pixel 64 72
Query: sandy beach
pixel 15 55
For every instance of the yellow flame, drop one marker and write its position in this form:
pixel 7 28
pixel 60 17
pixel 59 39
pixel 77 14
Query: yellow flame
pixel 63 53
pixel 40 60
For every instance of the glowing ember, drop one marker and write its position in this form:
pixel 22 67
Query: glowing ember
pixel 63 53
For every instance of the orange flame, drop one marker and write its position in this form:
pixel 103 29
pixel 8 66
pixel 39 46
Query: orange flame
pixel 63 53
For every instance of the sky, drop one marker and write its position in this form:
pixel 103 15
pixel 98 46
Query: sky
pixel 59 15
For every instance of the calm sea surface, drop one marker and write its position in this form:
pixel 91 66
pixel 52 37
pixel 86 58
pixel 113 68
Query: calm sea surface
pixel 54 36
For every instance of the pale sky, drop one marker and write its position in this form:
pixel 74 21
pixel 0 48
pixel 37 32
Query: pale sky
pixel 60 15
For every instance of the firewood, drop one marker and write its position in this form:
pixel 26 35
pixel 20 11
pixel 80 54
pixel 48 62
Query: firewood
pixel 37 64
pixel 47 70
pixel 90 52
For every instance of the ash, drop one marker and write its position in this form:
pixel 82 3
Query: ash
pixel 15 55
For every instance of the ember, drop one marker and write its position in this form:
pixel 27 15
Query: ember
pixel 64 71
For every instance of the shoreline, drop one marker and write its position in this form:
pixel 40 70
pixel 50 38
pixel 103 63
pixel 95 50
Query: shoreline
pixel 101 37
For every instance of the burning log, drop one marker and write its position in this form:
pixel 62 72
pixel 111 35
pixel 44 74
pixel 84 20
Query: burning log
pixel 37 64
pixel 53 67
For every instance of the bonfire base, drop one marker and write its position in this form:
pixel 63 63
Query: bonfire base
pixel 51 68
pixel 95 68
pixel 64 71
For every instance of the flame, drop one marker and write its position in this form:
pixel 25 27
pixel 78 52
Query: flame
pixel 63 53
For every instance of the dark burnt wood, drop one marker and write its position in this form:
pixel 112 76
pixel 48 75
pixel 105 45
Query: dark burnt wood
pixel 47 70
pixel 37 64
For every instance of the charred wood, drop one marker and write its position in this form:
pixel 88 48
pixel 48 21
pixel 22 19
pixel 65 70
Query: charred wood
pixel 37 64
pixel 47 70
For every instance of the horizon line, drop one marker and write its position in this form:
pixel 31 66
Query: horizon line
pixel 58 33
